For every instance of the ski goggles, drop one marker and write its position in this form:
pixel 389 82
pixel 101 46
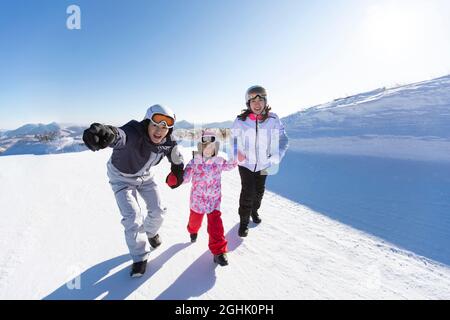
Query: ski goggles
pixel 206 139
pixel 252 98
pixel 161 119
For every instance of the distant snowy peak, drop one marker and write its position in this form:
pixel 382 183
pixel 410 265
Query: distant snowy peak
pixel 60 138
pixel 430 89
pixel 42 139
pixel 33 129
pixel 183 124
pixel 44 129
pixel 77 130
pixel 219 125
pixel 419 109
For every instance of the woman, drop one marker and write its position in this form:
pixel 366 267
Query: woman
pixel 260 136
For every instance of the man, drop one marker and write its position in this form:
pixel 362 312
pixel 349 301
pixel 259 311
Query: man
pixel 137 148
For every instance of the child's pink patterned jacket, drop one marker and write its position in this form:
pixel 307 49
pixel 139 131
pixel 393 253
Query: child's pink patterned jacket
pixel 206 187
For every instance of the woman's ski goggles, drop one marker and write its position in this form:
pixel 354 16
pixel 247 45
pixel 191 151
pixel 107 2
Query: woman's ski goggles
pixel 160 119
pixel 206 139
pixel 254 97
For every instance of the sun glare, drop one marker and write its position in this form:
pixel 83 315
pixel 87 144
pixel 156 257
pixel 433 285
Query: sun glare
pixel 394 27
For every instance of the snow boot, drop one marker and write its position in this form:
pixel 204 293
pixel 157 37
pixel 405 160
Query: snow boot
pixel 255 217
pixel 155 242
pixel 193 237
pixel 138 269
pixel 221 259
pixel 243 230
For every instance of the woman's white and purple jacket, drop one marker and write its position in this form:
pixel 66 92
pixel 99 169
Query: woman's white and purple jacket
pixel 264 143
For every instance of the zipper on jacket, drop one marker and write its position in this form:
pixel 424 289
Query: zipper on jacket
pixel 256 145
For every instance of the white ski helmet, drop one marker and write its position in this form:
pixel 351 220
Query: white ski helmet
pixel 158 109
pixel 208 136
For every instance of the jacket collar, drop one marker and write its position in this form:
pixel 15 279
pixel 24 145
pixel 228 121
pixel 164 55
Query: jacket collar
pixel 255 117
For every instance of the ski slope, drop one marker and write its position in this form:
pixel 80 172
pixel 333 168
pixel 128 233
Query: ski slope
pixel 61 238
pixel 408 122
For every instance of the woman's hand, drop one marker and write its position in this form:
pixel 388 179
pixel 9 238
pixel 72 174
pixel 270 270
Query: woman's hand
pixel 241 156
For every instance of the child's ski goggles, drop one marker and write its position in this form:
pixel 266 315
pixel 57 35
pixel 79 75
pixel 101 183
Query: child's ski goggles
pixel 160 119
pixel 206 139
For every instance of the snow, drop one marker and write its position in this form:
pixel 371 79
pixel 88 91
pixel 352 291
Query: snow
pixel 396 147
pixel 358 210
pixel 406 122
pixel 183 124
pixel 42 139
pixel 33 146
pixel 55 137
pixel 61 223
pixel 32 129
pixel 404 202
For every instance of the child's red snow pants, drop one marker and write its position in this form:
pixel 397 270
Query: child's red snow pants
pixel 217 242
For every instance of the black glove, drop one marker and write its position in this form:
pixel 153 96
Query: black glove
pixel 178 172
pixel 99 136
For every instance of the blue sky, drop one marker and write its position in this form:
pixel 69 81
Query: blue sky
pixel 199 56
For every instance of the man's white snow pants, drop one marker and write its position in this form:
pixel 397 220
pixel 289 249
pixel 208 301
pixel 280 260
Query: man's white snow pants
pixel 138 228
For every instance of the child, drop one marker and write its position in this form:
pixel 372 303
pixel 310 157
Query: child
pixel 137 148
pixel 205 171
